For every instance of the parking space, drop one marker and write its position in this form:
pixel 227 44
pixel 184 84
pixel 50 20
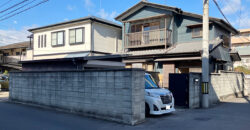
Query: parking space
pixel 4 96
pixel 231 114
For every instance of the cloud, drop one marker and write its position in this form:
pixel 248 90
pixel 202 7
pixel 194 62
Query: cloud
pixel 71 8
pixel 89 5
pixel 106 15
pixel 231 7
pixel 15 22
pixel 10 36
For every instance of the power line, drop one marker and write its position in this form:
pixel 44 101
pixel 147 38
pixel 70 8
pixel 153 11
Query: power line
pixel 17 9
pixel 5 3
pixel 221 11
pixel 24 10
pixel 13 6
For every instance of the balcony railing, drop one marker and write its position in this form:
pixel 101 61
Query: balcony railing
pixel 159 37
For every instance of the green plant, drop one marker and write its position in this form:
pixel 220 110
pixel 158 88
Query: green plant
pixel 242 69
pixel 6 72
pixel 5 85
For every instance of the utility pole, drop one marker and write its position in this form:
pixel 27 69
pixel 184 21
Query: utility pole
pixel 205 55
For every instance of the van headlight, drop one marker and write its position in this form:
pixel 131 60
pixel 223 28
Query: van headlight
pixel 153 95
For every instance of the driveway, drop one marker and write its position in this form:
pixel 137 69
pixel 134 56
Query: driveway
pixel 230 115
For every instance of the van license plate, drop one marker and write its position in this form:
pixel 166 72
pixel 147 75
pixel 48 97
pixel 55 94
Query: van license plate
pixel 167 107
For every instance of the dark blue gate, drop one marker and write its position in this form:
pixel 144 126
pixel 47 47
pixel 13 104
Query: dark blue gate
pixel 179 86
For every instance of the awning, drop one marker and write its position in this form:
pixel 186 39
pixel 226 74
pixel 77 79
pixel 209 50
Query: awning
pixel 104 64
pixel 235 56
pixel 137 60
pixel 178 59
pixel 18 67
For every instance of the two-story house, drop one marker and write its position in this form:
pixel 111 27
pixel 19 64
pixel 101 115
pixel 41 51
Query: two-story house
pixel 241 43
pixel 68 45
pixel 167 39
pixel 11 54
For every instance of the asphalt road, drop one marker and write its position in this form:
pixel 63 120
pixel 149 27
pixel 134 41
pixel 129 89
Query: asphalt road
pixel 231 115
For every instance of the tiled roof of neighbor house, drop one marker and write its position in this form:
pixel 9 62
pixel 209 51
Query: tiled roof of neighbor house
pixel 92 18
pixel 244 30
pixel 141 4
pixel 178 48
pixel 16 45
pixel 240 39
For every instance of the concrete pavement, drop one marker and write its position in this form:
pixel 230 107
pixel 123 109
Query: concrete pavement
pixel 230 115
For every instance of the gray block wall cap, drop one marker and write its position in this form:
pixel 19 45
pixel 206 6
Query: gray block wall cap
pixel 94 70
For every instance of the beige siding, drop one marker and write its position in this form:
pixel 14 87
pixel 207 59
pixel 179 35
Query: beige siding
pixel 106 38
pixel 56 52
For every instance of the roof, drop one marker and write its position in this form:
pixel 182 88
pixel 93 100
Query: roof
pixel 141 4
pixel 105 57
pixel 240 39
pixel 193 46
pixel 16 45
pixel 92 18
pixel 244 30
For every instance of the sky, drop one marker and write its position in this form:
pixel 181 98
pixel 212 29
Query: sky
pixel 14 29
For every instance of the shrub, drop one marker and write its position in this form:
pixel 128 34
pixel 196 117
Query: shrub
pixel 242 69
pixel 5 85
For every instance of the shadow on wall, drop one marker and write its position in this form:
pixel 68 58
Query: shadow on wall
pixel 225 85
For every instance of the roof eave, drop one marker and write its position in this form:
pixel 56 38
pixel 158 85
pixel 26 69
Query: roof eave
pixel 91 18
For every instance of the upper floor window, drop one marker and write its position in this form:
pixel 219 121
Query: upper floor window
pixel 57 38
pixel 197 32
pixel 76 36
pixel 145 27
pixel 42 41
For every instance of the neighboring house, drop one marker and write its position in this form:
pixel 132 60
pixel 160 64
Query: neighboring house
pixel 11 54
pixel 166 39
pixel 68 45
pixel 241 43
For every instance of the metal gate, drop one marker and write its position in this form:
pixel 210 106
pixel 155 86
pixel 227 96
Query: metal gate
pixel 179 86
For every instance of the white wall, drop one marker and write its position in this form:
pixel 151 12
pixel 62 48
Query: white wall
pixel 107 38
pixel 40 53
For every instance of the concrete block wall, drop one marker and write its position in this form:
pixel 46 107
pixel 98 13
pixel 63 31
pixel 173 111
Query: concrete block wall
pixel 246 86
pixel 225 84
pixel 116 95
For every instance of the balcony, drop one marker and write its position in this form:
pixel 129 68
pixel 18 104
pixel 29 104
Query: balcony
pixel 151 38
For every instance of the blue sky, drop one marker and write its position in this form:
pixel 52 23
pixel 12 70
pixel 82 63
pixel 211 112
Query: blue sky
pixel 53 11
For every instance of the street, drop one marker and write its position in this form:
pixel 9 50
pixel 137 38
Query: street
pixel 232 114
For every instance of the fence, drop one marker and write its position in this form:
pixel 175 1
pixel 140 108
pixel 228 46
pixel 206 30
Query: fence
pixel 116 95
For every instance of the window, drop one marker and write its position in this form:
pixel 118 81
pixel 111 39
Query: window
pixel 57 38
pixel 197 32
pixel 76 36
pixel 45 40
pixel 39 41
pixel 17 53
pixel 6 54
pixel 42 41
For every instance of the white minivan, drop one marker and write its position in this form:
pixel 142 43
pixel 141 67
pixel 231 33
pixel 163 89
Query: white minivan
pixel 158 100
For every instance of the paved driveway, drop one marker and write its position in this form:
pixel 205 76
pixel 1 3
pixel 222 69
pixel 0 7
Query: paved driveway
pixel 231 115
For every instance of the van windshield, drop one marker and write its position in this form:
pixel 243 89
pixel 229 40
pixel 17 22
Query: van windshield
pixel 150 82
